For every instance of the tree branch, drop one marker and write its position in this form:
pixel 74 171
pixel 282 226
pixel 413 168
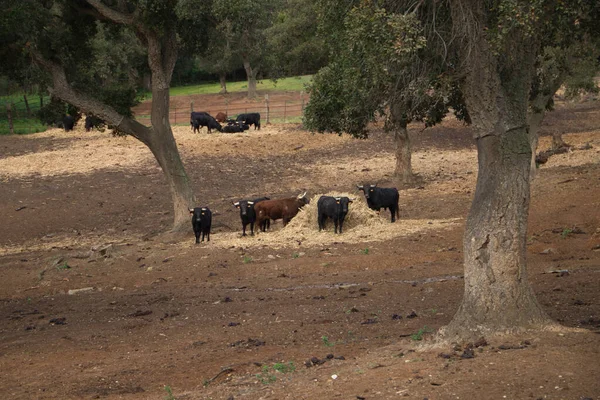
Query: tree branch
pixel 64 91
pixel 111 14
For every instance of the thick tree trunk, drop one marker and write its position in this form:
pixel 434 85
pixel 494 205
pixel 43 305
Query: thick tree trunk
pixel 162 55
pixel 403 155
pixel 162 144
pixel 223 82
pixel 397 123
pixel 497 297
pixel 251 75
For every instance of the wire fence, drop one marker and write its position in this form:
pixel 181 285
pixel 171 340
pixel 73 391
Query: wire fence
pixel 18 113
pixel 289 111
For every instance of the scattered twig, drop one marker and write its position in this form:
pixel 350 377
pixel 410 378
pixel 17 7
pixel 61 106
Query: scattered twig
pixel 223 371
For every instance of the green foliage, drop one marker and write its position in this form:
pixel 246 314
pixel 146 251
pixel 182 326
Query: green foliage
pixel 169 391
pixel 247 259
pixel 63 266
pixel 380 67
pixel 419 335
pixel 295 255
pixel 566 232
pixel 241 25
pixel 54 111
pixel 267 374
pixel 284 368
pixel 365 251
pixel 294 45
pixel 326 341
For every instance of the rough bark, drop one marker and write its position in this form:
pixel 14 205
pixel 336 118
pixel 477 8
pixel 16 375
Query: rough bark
pixel 223 82
pixel 403 168
pixel 497 297
pixel 397 122
pixel 251 75
pixel 162 55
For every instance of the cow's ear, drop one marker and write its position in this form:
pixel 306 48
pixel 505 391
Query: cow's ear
pixel 191 210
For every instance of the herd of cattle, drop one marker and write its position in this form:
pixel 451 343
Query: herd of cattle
pixel 259 212
pixel 198 120
pixel 243 121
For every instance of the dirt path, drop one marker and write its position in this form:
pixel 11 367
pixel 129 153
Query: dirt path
pixel 96 304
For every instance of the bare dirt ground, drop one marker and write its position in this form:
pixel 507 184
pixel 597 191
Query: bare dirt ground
pixel 95 303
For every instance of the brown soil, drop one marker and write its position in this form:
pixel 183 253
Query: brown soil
pixel 96 303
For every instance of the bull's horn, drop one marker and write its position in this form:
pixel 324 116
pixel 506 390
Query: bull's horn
pixel 250 202
pixel 191 210
pixel 375 185
pixel 361 187
pixel 301 195
pixel 236 204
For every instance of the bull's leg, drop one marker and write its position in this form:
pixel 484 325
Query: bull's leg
pixel 243 229
pixel 251 228
pixel 208 236
pixel 335 221
pixel 393 210
pixel 197 237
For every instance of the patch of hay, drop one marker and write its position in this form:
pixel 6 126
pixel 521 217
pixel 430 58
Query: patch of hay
pixel 361 225
pixel 82 153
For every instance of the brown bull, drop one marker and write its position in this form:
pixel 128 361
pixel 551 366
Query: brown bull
pixel 285 209
pixel 221 117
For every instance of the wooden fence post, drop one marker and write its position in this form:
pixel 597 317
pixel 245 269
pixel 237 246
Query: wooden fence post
pixel 192 106
pixel 175 114
pixel 11 128
pixel 284 110
pixel 267 106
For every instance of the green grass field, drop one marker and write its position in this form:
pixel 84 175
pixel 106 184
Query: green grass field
pixel 22 123
pixel 22 126
pixel 295 83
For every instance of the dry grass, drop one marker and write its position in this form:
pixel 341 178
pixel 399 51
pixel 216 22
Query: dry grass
pixel 361 225
pixel 575 158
